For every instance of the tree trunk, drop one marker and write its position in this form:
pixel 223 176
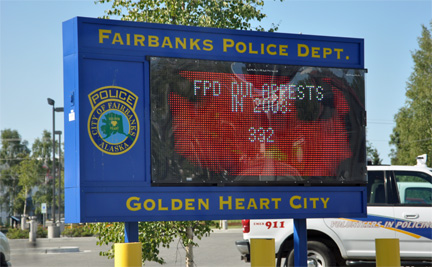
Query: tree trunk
pixel 23 216
pixel 25 201
pixel 189 248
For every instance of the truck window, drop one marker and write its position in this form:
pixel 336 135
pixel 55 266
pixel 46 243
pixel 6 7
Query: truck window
pixel 376 188
pixel 415 188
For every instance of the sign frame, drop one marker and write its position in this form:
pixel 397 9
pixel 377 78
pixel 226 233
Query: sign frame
pixel 107 53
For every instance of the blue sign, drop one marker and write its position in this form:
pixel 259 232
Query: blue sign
pixel 167 122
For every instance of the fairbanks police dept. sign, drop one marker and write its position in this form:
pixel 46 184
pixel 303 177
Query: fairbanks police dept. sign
pixel 146 129
pixel 113 125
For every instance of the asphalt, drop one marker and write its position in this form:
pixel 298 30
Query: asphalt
pixel 58 252
pixel 43 245
pixel 216 250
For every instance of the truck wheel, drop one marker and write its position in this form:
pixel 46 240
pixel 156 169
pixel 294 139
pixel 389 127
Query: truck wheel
pixel 318 255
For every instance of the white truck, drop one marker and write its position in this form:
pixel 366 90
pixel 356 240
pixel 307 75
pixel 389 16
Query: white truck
pixel 399 206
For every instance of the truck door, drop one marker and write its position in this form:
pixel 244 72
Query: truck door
pixel 358 234
pixel 414 214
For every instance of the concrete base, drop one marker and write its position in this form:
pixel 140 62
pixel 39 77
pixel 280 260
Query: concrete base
pixel 223 224
pixel 61 226
pixel 53 231
pixel 24 225
pixel 33 229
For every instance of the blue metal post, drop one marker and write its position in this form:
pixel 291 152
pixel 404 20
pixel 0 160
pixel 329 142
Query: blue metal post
pixel 131 232
pixel 300 242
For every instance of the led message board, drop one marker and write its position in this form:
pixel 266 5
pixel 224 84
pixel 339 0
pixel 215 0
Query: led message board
pixel 247 123
pixel 168 122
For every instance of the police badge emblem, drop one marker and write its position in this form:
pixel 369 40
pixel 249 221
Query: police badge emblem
pixel 113 125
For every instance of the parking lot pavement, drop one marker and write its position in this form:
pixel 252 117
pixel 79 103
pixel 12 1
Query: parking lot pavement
pixel 216 250
pixel 63 252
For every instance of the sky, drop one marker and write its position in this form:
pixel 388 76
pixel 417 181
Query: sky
pixel 31 68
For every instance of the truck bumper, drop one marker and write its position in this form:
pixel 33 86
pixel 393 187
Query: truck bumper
pixel 244 248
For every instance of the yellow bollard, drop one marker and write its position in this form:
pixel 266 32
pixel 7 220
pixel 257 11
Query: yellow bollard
pixel 262 252
pixel 387 252
pixel 127 254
